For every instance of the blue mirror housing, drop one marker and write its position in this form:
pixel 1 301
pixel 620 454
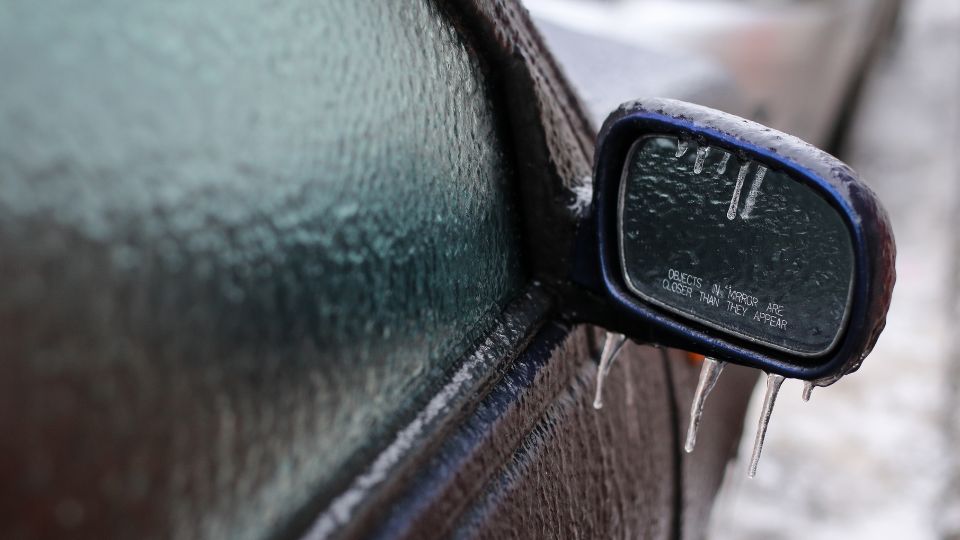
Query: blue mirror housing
pixel 717 235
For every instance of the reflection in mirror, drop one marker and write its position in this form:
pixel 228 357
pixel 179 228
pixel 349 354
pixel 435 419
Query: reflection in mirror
pixel 734 245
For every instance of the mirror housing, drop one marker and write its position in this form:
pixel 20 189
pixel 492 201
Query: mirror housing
pixel 624 247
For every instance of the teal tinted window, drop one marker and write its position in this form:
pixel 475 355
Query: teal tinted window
pixel 260 235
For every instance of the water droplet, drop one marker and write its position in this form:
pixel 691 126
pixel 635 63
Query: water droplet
pixel 807 390
pixel 681 148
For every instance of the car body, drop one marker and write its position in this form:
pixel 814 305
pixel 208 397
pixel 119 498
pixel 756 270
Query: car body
pixel 297 271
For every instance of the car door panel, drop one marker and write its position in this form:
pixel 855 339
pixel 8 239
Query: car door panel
pixel 534 458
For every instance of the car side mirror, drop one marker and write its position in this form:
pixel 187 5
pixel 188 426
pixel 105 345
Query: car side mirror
pixel 719 236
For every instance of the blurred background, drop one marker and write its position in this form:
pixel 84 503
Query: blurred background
pixel 878 83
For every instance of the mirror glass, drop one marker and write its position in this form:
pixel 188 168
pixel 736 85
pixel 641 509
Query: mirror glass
pixel 734 245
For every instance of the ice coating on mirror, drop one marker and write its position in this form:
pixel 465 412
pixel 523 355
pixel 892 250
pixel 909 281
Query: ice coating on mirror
pixel 709 375
pixel 774 382
pixel 735 245
pixel 611 348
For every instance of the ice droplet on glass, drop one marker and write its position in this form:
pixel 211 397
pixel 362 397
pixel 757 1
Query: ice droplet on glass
pixel 709 373
pixel 681 148
pixel 752 194
pixel 701 157
pixel 735 199
pixel 773 388
pixel 807 390
pixel 722 168
pixel 611 347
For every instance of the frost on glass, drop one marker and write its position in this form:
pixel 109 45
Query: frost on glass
pixel 249 240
